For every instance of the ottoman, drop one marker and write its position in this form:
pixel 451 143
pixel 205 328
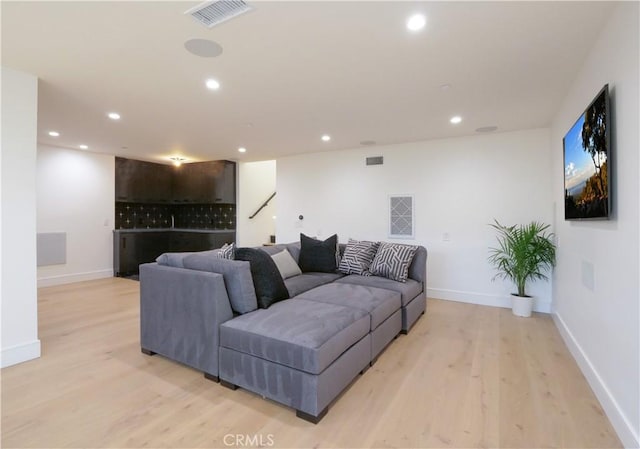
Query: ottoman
pixel 383 307
pixel 297 352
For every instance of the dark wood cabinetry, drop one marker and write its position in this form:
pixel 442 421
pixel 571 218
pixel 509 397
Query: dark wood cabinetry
pixel 142 182
pixel 134 248
pixel 195 183
pixel 189 184
pixel 225 183
pixel 161 191
pixel 205 183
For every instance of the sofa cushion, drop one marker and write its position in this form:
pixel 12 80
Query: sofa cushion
pixel 177 259
pixel 408 289
pixel 358 256
pixel 286 265
pixel 300 334
pixel 293 248
pixel 418 267
pixel 268 283
pixel 379 303
pixel 236 275
pixel 273 249
pixel 307 281
pixel 318 255
pixel 392 261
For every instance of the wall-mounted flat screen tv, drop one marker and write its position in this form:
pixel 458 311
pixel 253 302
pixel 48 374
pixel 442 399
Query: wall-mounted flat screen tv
pixel 587 165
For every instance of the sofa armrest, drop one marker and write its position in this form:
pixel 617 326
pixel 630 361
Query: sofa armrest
pixel 180 314
pixel 418 267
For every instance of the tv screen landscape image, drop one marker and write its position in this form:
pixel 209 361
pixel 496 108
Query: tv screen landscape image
pixel 586 163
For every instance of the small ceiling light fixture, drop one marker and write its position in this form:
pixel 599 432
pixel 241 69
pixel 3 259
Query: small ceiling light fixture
pixel 456 119
pixel 326 138
pixel 416 22
pixel 113 116
pixel 242 150
pixel 177 160
pixel 212 84
pixel 83 147
pixel 54 133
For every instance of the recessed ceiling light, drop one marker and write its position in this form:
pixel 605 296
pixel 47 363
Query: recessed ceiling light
pixel 83 147
pixel 416 22
pixel 54 133
pixel 456 119
pixel 242 150
pixel 212 84
pixel 177 160
pixel 113 116
pixel 326 138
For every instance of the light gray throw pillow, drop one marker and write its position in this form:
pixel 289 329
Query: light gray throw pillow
pixel 286 265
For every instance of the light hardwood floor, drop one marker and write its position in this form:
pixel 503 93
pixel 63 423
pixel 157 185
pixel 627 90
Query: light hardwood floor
pixel 465 376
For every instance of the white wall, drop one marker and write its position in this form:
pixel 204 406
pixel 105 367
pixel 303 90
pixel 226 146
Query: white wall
pixel 19 295
pixel 601 325
pixel 460 185
pixel 75 195
pixel 256 182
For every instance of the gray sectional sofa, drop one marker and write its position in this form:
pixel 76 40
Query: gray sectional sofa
pixel 302 352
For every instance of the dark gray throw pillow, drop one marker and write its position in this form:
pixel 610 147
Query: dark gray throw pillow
pixel 318 255
pixel 267 280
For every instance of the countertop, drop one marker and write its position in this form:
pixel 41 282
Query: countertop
pixel 207 231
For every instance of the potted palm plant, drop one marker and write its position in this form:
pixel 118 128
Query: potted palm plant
pixel 524 253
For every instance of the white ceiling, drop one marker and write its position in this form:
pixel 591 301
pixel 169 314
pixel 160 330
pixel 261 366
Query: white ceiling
pixel 292 71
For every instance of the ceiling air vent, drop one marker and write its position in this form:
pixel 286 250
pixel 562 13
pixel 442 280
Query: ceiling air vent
pixel 375 160
pixel 214 13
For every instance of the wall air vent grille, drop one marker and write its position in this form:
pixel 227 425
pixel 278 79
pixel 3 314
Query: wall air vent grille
pixel 376 160
pixel 214 13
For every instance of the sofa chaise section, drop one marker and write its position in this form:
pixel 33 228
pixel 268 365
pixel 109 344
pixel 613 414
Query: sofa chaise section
pixel 297 352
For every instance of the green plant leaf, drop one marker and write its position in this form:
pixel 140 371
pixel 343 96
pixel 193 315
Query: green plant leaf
pixel 524 253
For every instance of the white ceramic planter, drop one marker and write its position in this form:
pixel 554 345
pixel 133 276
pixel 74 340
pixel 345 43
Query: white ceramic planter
pixel 521 305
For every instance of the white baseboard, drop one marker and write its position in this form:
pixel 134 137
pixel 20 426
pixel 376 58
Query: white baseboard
pixel 482 299
pixel 620 422
pixel 20 353
pixel 74 277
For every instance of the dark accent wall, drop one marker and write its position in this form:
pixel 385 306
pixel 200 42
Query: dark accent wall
pixel 205 216
pixel 188 216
